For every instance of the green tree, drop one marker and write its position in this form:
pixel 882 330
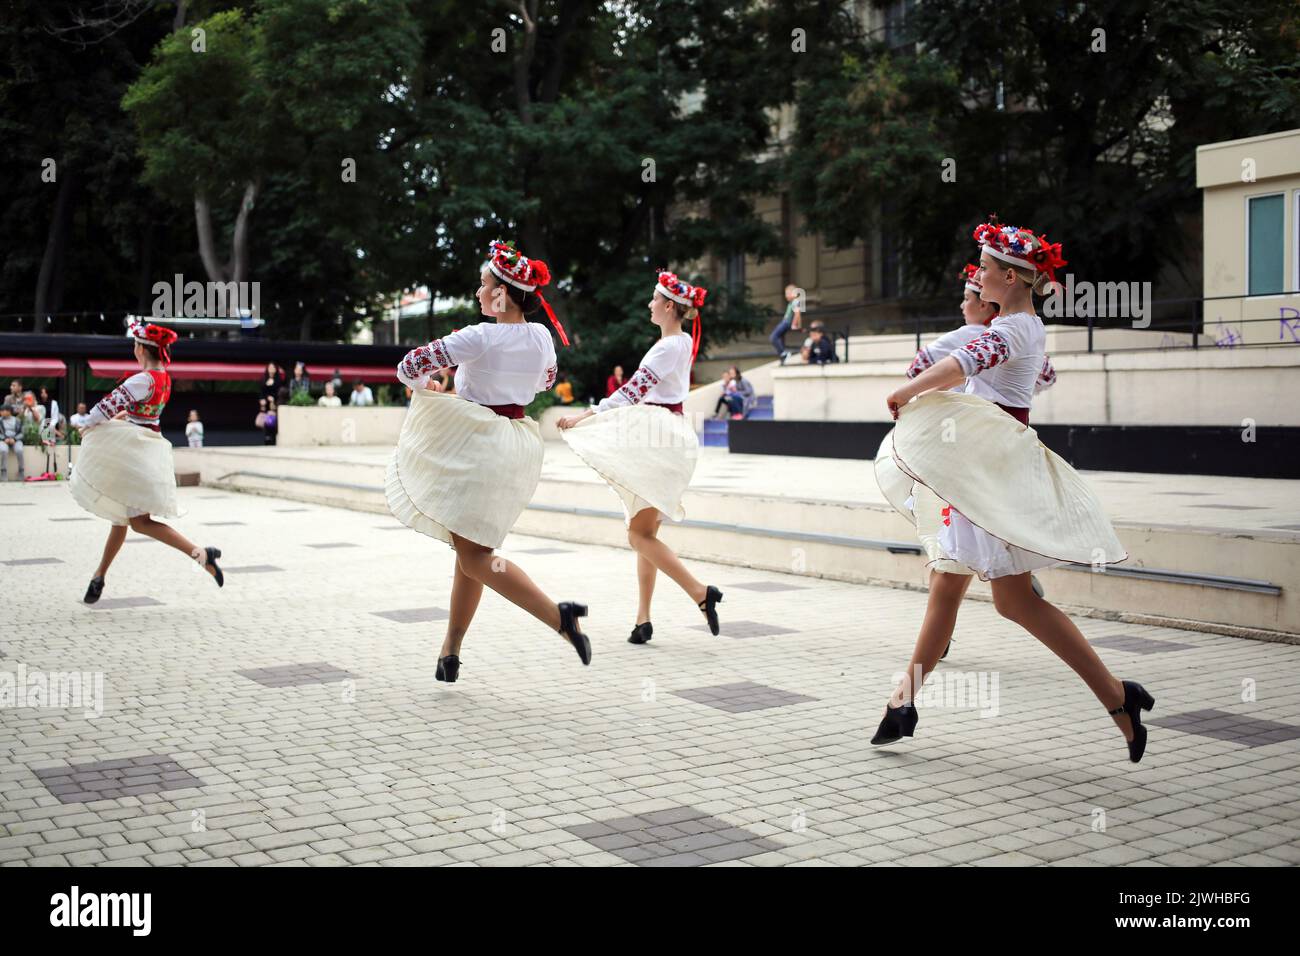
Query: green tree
pixel 1080 119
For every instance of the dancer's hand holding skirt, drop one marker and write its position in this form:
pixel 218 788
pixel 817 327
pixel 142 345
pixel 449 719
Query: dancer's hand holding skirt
pixel 125 471
pixel 645 453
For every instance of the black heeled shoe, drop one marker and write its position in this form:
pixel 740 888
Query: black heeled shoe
pixel 211 555
pixel 1136 700
pixel 448 669
pixel 641 633
pixel 898 722
pixel 712 598
pixel 569 614
pixel 94 591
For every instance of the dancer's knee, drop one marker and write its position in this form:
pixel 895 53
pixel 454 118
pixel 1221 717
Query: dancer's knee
pixel 140 522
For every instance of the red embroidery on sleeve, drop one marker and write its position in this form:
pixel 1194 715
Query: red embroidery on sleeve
pixel 550 377
pixel 425 360
pixel 636 387
pixel 1046 377
pixel 920 363
pixel 987 351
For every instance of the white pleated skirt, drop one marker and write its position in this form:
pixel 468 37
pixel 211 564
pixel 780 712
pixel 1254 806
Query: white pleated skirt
pixel 461 468
pixel 645 453
pixel 123 471
pixel 1016 506
pixel 918 504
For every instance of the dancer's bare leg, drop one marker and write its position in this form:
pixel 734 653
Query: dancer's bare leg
pixel 507 579
pixel 170 536
pixel 1016 601
pixel 643 535
pixel 645 580
pixel 946 593
pixel 465 595
pixel 116 535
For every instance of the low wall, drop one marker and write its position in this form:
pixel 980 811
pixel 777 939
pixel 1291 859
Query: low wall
pixel 301 425
pixel 1219 387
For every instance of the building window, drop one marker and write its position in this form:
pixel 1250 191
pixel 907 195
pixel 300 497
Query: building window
pixel 898 35
pixel 1265 242
pixel 735 278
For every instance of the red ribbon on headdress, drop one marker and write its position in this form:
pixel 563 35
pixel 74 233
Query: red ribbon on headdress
pixel 546 306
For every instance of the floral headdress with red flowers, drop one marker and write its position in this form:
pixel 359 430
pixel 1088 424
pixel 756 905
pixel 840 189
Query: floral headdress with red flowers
pixel 683 293
pixel 155 335
pixel 514 268
pixel 1017 246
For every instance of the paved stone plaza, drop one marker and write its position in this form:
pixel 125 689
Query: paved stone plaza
pixel 293 716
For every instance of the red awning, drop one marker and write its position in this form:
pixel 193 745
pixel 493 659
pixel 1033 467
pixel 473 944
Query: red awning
pixel 35 367
pixel 203 371
pixel 352 373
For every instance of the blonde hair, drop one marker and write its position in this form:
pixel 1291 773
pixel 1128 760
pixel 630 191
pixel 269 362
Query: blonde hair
pixel 1037 281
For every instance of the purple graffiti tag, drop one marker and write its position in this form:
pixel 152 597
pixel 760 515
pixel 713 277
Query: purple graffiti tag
pixel 1229 338
pixel 1289 323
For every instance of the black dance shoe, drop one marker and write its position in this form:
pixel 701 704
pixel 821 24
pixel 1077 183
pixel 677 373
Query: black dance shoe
pixel 712 598
pixel 641 633
pixel 210 556
pixel 569 614
pixel 898 722
pixel 94 591
pixel 1136 700
pixel 448 668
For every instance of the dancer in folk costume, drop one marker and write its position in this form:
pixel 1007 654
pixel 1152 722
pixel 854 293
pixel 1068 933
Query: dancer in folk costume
pixel 639 441
pixel 1014 504
pixel 125 472
pixel 919 504
pixel 466 465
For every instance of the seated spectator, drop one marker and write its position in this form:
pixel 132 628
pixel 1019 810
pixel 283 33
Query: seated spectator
pixel 194 429
pixel 80 417
pixel 31 410
pixel 300 381
pixel 564 390
pixel 361 395
pixel 329 399
pixel 737 395
pixel 819 349
pixel 614 382
pixel 15 397
pixel 55 415
pixel 11 439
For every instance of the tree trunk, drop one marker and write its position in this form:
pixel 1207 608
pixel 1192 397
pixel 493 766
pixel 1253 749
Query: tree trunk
pixel 55 243
pixel 207 246
pixel 239 242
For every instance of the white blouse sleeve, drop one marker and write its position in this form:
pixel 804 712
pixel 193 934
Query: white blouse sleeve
pixel 1003 340
pixel 459 348
pixel 657 363
pixel 546 381
pixel 135 389
pixel 941 348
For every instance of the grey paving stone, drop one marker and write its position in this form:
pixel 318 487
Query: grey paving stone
pixel 745 629
pixel 110 779
pixel 413 615
pixel 296 675
pixel 742 696
pixel 114 604
pixel 24 562
pixel 653 838
pixel 1224 725
pixel 768 587
pixel 1139 645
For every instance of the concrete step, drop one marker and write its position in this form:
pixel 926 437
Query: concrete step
pixel 1240 581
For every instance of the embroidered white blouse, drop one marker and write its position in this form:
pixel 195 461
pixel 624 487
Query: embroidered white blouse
pixel 1003 363
pixel 497 363
pixel 125 397
pixel 664 375
pixel 957 338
